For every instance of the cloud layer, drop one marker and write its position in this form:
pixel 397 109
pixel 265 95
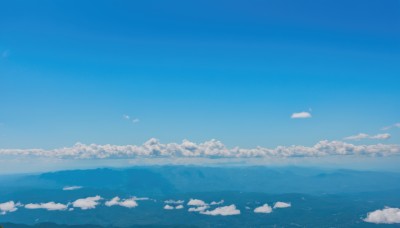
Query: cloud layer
pixel 384 216
pixel 208 149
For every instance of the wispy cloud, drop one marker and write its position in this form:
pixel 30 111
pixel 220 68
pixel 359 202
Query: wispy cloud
pixel 71 188
pixel 396 125
pixel 384 216
pixel 50 206
pixel 366 136
pixel 301 115
pixel 131 119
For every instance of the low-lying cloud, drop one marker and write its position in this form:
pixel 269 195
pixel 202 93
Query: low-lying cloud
pixel 87 203
pixel 116 201
pixel 8 207
pixel 50 206
pixel 264 209
pixel 282 205
pixel 223 211
pixel 384 216
pixel 209 149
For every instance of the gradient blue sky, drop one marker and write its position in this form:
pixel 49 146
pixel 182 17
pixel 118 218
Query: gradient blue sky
pixel 230 70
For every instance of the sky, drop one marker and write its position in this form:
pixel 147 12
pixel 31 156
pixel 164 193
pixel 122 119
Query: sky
pixel 124 72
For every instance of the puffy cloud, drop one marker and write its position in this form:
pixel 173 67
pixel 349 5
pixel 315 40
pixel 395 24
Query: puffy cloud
pixel 198 209
pixel 208 149
pixel 384 216
pixel 217 203
pixel 179 207
pixel 116 201
pixel 87 203
pixel 266 209
pixel 50 206
pixel 71 188
pixel 9 206
pixel 224 211
pixel 168 207
pixel 196 202
pixel 300 115
pixel 282 205
pixel 366 136
pixel 174 201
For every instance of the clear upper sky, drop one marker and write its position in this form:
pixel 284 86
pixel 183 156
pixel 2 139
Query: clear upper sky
pixel 230 70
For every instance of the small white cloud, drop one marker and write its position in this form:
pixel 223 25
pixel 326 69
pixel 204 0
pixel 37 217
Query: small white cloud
pixel 174 201
pixel 87 203
pixel 384 216
pixel 179 207
pixel 136 120
pixel 71 188
pixel 140 198
pixel 282 205
pixel 301 115
pixel 196 202
pixel 126 117
pixel 168 207
pixel 116 201
pixel 224 211
pixel 50 206
pixel 366 136
pixel 9 206
pixel 217 203
pixel 198 209
pixel 266 209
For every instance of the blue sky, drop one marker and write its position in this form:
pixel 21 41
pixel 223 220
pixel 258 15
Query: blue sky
pixel 230 70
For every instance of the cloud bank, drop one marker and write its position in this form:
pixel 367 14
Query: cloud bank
pixel 209 149
pixel 384 216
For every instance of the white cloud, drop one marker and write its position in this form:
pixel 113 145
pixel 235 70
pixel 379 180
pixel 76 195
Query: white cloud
pixel 217 203
pixel 366 136
pixel 196 202
pixel 396 125
pixel 87 203
pixel 126 117
pixel 9 206
pixel 136 120
pixel 282 205
pixel 71 188
pixel 174 201
pixel 168 207
pixel 384 216
pixel 50 206
pixel 129 118
pixel 116 201
pixel 208 149
pixel 179 207
pixel 266 209
pixel 198 209
pixel 224 211
pixel 301 115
